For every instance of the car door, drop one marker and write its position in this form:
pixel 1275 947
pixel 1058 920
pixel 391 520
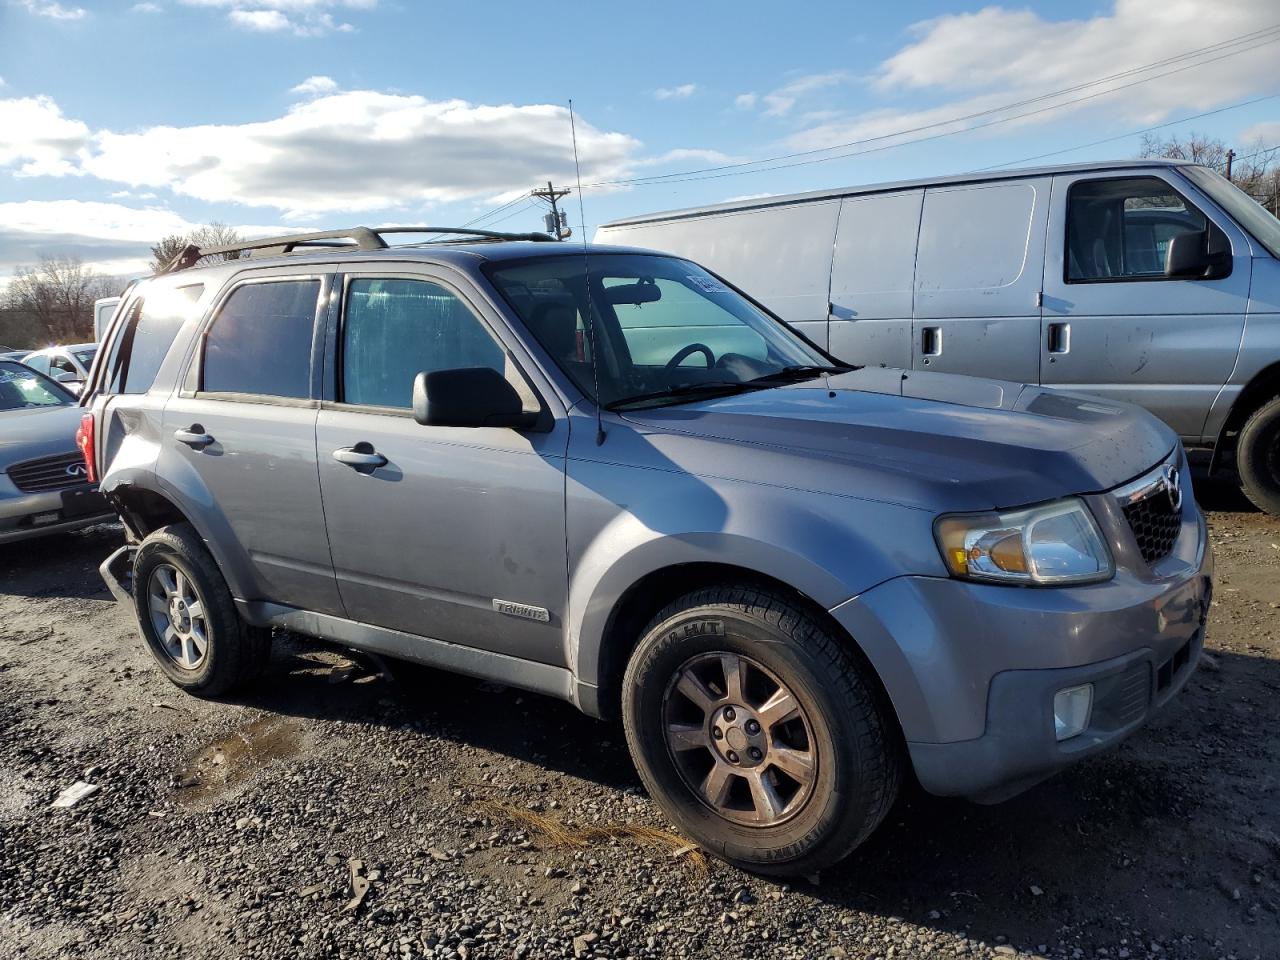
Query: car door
pixel 872 275
pixel 452 533
pixel 977 279
pixel 1114 324
pixel 239 439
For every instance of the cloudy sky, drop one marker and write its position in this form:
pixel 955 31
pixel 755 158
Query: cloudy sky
pixel 123 121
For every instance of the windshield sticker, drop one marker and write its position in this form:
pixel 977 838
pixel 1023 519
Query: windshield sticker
pixel 708 284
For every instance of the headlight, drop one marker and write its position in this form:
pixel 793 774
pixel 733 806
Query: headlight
pixel 1055 543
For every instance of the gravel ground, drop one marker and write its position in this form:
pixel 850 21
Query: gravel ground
pixel 337 811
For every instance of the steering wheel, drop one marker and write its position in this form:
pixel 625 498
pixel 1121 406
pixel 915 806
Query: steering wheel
pixel 687 351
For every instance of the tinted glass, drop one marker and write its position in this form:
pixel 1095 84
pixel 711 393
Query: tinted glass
pixel 1120 229
pixel 20 388
pixel 85 356
pixel 149 335
pixel 395 329
pixel 260 342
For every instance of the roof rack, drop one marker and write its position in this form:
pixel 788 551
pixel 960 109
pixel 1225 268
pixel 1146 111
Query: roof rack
pixel 360 238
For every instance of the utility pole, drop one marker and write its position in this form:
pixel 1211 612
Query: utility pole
pixel 556 222
pixel 1231 155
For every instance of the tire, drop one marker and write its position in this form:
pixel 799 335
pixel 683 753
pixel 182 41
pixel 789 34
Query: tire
pixel 1258 457
pixel 217 652
pixel 766 820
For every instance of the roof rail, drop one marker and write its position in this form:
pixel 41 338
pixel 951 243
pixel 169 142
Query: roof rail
pixel 361 238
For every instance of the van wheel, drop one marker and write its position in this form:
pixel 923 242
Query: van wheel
pixel 1258 457
pixel 758 733
pixel 188 617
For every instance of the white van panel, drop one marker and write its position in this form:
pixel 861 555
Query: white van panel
pixel 779 255
pixel 872 278
pixel 981 254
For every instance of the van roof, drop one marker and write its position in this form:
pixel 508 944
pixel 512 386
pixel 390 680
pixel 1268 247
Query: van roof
pixel 833 194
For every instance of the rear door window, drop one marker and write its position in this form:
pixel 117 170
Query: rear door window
pixel 261 340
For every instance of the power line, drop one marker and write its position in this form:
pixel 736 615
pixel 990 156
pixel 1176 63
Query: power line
pixel 735 169
pixel 1135 133
pixel 496 210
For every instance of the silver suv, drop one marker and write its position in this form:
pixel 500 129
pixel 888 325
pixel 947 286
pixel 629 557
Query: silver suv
pixel 607 475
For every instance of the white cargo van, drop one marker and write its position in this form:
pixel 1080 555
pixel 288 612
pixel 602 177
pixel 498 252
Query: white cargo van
pixel 1156 282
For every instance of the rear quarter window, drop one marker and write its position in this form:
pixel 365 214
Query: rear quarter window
pixel 152 325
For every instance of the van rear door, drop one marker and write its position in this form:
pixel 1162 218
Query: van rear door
pixel 977 281
pixel 1114 323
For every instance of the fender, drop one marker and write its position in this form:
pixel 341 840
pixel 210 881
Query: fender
pixel 827 547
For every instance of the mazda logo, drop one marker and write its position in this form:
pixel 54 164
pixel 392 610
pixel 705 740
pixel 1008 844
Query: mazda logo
pixel 77 470
pixel 1173 487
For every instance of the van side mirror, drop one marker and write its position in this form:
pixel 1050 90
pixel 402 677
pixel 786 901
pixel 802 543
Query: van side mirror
pixel 468 397
pixel 1198 255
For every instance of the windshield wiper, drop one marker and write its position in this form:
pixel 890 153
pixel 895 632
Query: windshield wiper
pixel 683 391
pixel 798 371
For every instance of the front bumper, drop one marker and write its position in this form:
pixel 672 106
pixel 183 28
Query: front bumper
pixel 27 515
pixel 972 670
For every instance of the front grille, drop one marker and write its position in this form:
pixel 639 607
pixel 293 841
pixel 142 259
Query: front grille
pixel 1155 525
pixel 48 473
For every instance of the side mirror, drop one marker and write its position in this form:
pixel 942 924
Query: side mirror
pixel 1198 255
pixel 468 397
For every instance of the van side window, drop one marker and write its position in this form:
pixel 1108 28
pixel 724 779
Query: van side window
pixel 147 336
pixel 395 329
pixel 1120 229
pixel 260 341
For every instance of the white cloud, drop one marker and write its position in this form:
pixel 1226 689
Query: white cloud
pixel 685 155
pixel 303 18
pixel 147 8
pixel 745 101
pixel 53 10
pixel 362 150
pixel 1265 134
pixel 779 102
pixel 37 140
pixel 112 238
pixel 682 92
pixel 979 63
pixel 314 86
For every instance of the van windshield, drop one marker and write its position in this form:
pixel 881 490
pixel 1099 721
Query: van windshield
pixel 666 330
pixel 1253 216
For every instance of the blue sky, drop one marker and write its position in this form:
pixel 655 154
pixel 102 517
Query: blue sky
pixel 122 121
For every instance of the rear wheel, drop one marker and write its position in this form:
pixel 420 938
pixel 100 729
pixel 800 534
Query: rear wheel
pixel 1258 457
pixel 758 732
pixel 188 617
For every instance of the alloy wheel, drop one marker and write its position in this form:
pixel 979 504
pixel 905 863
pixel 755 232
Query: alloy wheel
pixel 177 613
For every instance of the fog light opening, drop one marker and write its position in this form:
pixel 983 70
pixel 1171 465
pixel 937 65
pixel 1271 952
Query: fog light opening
pixel 1071 709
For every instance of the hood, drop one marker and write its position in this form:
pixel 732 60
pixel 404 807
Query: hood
pixel 35 432
pixel 934 440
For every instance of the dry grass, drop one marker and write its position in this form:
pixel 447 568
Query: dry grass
pixel 557 834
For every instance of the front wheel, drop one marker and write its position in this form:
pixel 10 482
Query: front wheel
pixel 1258 457
pixel 758 733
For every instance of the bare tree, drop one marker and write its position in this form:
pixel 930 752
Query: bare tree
pixel 58 295
pixel 211 235
pixel 1254 167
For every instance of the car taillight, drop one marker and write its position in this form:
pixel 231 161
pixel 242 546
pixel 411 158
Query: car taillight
pixel 84 440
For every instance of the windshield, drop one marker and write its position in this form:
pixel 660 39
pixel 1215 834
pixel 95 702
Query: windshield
pixel 1246 211
pixel 21 387
pixel 666 329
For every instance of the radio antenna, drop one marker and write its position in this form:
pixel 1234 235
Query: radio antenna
pixel 586 282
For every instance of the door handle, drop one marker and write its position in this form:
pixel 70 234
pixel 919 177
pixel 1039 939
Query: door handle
pixel 193 436
pixel 1058 339
pixel 931 341
pixel 362 457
